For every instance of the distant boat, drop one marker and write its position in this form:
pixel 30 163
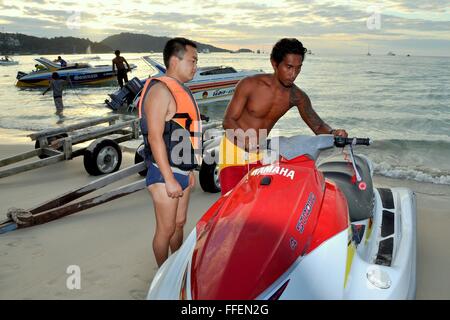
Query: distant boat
pixel 89 51
pixel 390 53
pixel 408 55
pixel 7 42
pixel 8 61
pixel 309 52
pixel 368 51
pixel 91 58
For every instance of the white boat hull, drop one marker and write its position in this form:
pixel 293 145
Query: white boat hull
pixel 9 63
pixel 210 84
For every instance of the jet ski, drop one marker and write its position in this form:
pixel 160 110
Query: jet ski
pixel 292 230
pixel 77 73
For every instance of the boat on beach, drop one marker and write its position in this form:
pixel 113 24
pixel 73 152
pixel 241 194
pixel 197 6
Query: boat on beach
pixel 210 84
pixel 77 73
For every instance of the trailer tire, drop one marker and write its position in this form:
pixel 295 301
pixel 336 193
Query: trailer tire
pixel 50 139
pixel 138 158
pixel 209 177
pixel 103 156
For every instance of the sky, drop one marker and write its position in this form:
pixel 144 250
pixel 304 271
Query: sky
pixel 418 27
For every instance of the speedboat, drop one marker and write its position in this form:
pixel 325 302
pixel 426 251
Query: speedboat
pixel 8 61
pixel 210 84
pixel 293 230
pixel 76 73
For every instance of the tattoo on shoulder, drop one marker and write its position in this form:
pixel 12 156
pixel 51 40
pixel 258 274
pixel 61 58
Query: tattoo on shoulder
pixel 294 96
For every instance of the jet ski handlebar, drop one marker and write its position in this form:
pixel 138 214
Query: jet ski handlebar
pixel 342 142
pixel 292 147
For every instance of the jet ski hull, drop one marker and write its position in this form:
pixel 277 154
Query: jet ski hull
pixel 286 232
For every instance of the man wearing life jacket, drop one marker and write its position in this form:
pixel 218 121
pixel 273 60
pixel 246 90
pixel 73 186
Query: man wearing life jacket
pixel 257 104
pixel 171 127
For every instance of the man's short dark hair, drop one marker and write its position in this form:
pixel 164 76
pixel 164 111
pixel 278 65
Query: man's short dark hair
pixel 176 47
pixel 55 76
pixel 117 52
pixel 286 46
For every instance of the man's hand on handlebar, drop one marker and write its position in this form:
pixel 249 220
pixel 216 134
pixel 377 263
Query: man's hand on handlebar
pixel 340 133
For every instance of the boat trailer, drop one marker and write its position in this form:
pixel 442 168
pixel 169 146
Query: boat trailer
pixel 102 156
pixel 64 205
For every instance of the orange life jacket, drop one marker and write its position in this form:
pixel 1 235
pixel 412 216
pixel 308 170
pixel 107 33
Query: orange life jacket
pixel 187 117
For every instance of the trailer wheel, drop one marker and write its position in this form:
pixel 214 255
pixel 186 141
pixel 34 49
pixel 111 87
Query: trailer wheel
pixel 37 144
pixel 102 156
pixel 209 177
pixel 138 158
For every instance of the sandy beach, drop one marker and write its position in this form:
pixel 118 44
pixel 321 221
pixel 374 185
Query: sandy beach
pixel 111 243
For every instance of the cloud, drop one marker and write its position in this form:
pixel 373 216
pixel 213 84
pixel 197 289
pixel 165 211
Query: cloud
pixel 233 22
pixel 420 5
pixel 250 6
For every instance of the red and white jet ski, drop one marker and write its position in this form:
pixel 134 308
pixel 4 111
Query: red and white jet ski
pixel 292 230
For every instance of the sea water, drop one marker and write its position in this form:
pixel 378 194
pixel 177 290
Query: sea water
pixel 401 102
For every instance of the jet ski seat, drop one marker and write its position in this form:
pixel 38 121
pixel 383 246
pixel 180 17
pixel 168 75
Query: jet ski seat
pixel 360 202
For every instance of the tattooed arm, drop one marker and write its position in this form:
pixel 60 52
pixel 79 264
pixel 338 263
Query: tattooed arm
pixel 318 126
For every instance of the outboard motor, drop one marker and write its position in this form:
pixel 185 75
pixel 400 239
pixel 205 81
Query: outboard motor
pixel 20 74
pixel 125 95
pixel 134 86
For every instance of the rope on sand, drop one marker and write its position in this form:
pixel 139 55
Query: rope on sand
pixel 21 217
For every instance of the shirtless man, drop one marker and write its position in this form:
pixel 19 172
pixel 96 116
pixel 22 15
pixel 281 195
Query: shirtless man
pixel 121 71
pixel 257 104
